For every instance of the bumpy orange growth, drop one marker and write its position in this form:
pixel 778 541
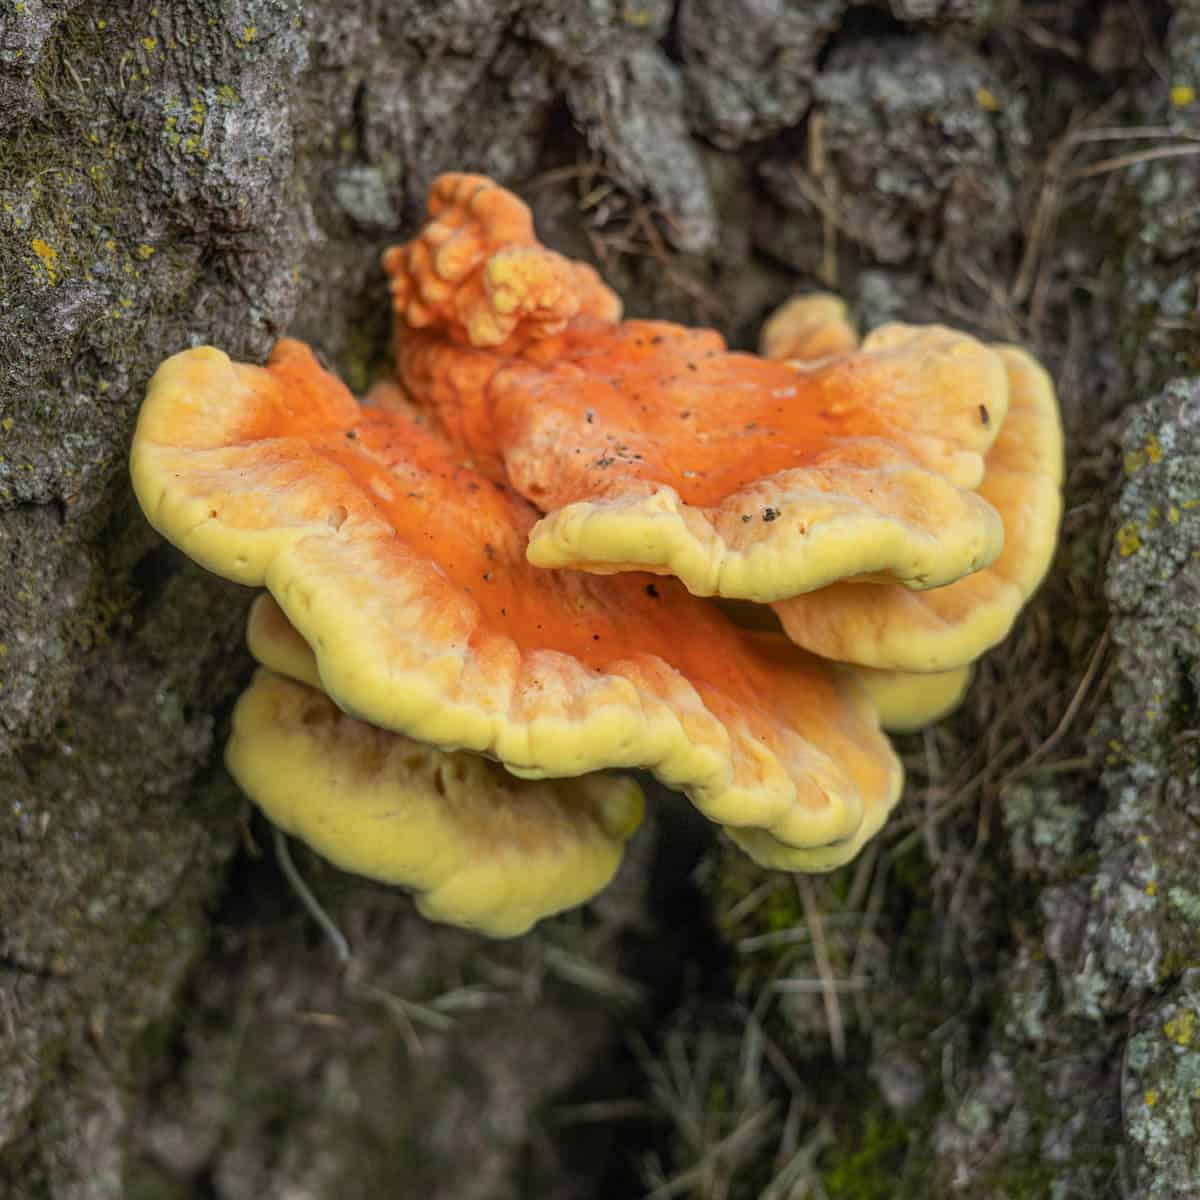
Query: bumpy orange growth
pixel 477 271
pixel 405 572
pixel 651 446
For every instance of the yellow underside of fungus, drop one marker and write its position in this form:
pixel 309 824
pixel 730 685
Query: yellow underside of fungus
pixel 480 848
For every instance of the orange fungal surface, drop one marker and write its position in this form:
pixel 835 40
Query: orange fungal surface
pixel 648 445
pixel 404 570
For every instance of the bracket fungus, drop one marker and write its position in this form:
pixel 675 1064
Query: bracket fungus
pixel 894 628
pixel 472 628
pixel 405 572
pixel 650 446
pixel 479 847
pixel 478 269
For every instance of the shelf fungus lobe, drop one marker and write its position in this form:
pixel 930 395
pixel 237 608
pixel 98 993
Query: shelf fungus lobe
pixel 479 847
pixel 896 629
pixel 405 572
pixel 650 446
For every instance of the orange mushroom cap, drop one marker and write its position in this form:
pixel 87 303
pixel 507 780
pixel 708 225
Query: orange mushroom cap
pixel 893 628
pixel 405 572
pixel 652 447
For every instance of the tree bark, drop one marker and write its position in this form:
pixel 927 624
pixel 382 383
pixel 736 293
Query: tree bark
pixel 1007 988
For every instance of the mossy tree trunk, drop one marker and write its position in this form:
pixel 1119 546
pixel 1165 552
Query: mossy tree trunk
pixel 1019 1005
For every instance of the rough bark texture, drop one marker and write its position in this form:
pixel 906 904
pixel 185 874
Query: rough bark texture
pixel 1002 999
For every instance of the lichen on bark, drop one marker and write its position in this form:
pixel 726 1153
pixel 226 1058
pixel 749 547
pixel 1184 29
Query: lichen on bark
pixel 983 1004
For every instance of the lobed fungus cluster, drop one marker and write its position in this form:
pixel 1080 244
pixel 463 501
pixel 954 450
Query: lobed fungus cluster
pixel 486 585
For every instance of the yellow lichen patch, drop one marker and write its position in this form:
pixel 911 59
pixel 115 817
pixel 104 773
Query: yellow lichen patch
pixel 47 256
pixel 1181 1028
pixel 986 99
pixel 1182 94
pixel 1151 452
pixel 1129 540
pixel 480 848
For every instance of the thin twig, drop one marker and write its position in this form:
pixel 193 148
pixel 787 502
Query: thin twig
pixel 829 993
pixel 1132 159
pixel 1072 709
pixel 337 939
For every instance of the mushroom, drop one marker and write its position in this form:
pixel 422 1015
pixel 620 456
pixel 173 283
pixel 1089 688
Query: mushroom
pixel 468 625
pixel 480 848
pixel 478 270
pixel 893 628
pixel 907 701
pixel 650 446
pixel 404 571
pixel 808 327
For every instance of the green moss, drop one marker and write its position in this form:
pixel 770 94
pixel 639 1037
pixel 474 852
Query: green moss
pixel 145 1180
pixel 869 1166
pixel 1020 1181
pixel 152 1049
pixel 911 870
pixel 781 910
pixel 51 1053
pixel 365 356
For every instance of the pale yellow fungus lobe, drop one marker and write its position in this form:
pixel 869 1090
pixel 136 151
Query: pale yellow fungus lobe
pixel 908 701
pixel 808 327
pixel 479 848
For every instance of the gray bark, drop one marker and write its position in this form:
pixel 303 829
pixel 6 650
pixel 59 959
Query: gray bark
pixel 1019 1006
